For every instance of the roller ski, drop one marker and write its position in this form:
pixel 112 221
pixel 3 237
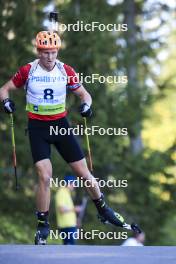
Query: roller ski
pixel 114 218
pixel 108 216
pixel 42 233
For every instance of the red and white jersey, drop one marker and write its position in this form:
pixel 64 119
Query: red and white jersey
pixel 46 91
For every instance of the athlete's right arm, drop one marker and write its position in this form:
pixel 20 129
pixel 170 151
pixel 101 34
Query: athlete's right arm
pixel 17 81
pixel 5 89
pixel 8 104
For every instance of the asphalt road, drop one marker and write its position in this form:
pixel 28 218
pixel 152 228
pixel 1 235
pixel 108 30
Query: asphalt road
pixel 29 254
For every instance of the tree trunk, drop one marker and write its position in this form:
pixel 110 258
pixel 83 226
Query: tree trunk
pixel 132 88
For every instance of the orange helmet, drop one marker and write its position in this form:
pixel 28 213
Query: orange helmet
pixel 48 40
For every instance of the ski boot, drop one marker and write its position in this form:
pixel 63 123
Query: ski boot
pixel 108 216
pixel 42 232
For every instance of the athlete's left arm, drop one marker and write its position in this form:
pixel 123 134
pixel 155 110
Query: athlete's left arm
pixel 82 93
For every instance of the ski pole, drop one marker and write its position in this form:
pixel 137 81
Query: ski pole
pixel 88 147
pixel 14 151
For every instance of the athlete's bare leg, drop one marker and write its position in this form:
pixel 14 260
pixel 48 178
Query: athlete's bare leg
pixel 81 170
pixel 44 171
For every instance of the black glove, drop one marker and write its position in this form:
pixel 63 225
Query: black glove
pixel 85 110
pixel 9 106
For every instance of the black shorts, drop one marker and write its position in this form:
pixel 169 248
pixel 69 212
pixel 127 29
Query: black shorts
pixel 42 134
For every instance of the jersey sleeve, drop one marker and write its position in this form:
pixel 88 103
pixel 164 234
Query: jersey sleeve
pixel 73 80
pixel 21 76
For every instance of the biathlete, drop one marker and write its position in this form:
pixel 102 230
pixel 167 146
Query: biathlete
pixel 46 82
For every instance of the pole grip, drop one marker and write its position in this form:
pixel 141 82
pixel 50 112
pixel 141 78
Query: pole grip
pixel 53 16
pixel 53 24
